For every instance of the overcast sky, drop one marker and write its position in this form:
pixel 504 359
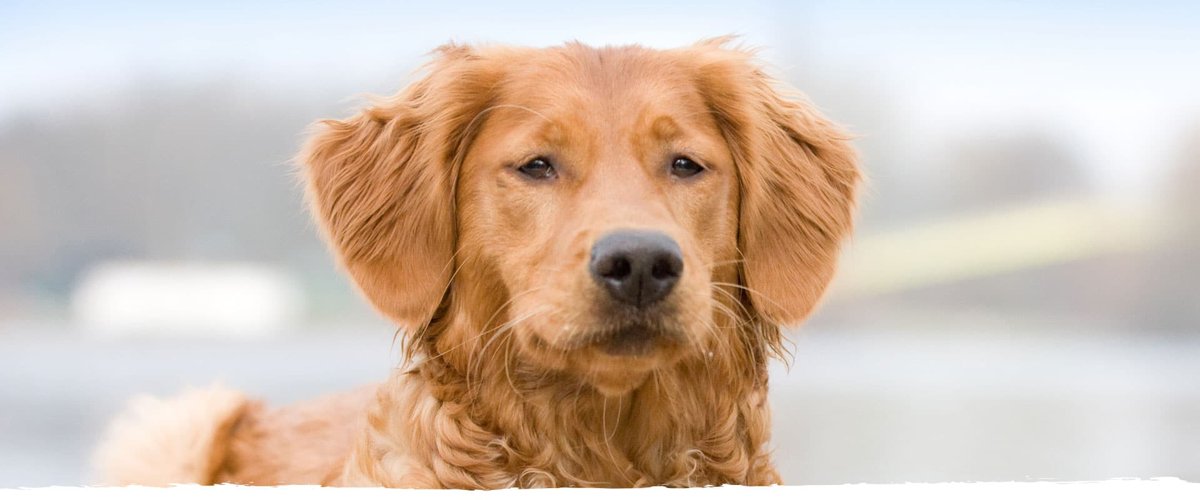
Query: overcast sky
pixel 1117 79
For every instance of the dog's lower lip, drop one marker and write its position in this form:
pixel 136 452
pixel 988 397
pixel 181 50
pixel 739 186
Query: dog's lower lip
pixel 631 341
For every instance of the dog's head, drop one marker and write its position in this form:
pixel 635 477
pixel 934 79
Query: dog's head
pixel 607 212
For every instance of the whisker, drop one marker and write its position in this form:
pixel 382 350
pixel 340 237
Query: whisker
pixel 745 313
pixel 475 361
pixel 506 344
pixel 720 263
pixel 751 291
pixel 484 330
pixel 508 363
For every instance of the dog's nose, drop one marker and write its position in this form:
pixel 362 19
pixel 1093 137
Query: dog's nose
pixel 636 267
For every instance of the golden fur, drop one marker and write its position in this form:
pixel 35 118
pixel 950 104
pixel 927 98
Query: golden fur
pixel 485 272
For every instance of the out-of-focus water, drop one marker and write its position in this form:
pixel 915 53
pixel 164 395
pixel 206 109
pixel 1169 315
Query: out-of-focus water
pixel 854 406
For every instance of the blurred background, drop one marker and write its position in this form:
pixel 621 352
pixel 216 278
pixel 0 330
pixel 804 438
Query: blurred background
pixel 1022 300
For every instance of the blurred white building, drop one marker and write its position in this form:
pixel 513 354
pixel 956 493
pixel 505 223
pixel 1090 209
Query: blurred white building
pixel 185 298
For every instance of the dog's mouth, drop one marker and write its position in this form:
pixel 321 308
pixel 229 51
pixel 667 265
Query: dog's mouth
pixel 613 356
pixel 626 339
pixel 636 334
pixel 635 339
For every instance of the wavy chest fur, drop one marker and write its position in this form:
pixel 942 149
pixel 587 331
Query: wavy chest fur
pixel 694 424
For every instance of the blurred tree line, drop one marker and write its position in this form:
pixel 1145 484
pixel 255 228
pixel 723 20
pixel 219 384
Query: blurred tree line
pixel 161 171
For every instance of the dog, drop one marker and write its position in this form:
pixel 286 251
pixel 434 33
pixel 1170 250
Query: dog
pixel 590 251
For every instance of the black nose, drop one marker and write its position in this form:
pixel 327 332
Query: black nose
pixel 636 267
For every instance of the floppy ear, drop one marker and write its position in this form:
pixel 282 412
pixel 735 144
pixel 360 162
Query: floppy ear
pixel 798 177
pixel 380 185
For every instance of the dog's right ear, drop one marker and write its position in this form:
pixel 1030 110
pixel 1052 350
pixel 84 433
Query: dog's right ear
pixel 380 184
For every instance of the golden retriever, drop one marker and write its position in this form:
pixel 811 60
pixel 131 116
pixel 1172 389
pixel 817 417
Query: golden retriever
pixel 591 252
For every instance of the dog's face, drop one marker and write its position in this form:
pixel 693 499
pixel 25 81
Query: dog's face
pixel 605 199
pixel 610 211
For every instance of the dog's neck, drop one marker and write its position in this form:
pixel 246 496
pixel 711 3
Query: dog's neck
pixel 499 422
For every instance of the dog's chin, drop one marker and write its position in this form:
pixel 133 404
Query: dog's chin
pixel 616 380
pixel 619 374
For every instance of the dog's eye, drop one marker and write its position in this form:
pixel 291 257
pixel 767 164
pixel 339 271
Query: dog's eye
pixel 684 167
pixel 537 168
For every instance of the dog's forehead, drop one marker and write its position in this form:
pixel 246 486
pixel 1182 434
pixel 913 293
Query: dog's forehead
pixel 629 86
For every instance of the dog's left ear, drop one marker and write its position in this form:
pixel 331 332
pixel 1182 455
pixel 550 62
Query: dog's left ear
pixel 798 175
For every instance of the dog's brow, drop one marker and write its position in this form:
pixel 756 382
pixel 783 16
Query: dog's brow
pixel 460 151
pixel 664 128
pixel 475 120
